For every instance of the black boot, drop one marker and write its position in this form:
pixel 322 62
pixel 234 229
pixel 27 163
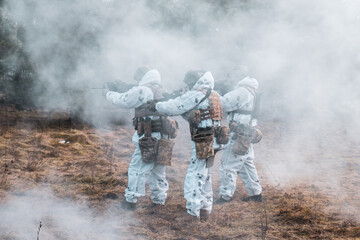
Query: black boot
pixel 255 198
pixel 204 215
pixel 222 201
pixel 128 205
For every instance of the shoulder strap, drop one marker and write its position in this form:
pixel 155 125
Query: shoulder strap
pixel 208 92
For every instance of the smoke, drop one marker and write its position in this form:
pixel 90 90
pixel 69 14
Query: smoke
pixel 61 219
pixel 304 53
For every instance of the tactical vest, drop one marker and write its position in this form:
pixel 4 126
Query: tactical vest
pixel 142 111
pixel 213 112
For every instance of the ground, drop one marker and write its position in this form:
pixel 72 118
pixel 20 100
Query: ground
pixel 83 163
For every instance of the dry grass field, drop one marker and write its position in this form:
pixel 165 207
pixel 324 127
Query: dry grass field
pixel 80 163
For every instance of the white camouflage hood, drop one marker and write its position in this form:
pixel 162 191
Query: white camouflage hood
pixel 151 77
pixel 205 82
pixel 248 81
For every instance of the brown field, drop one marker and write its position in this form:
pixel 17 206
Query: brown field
pixel 317 199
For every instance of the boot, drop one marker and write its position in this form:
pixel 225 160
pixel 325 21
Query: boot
pixel 204 215
pixel 157 206
pixel 222 201
pixel 190 218
pixel 255 198
pixel 128 205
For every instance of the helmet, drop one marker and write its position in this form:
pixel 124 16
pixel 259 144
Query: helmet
pixel 192 76
pixel 140 72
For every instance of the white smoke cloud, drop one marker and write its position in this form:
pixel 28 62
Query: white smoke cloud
pixel 304 53
pixel 61 219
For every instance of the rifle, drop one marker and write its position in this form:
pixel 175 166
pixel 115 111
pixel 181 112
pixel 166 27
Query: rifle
pixel 174 94
pixel 117 86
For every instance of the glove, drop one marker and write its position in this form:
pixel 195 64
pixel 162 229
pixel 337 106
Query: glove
pixel 151 106
pixel 105 89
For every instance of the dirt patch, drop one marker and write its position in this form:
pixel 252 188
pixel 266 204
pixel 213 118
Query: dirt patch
pixel 91 164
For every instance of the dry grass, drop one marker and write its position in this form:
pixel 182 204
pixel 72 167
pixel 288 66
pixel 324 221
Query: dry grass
pixel 92 164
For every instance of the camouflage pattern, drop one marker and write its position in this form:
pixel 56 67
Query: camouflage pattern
pixel 170 127
pixel 214 111
pixel 165 149
pixel 258 136
pixel 222 134
pixel 243 137
pixel 148 147
pixel 204 144
pixel 194 117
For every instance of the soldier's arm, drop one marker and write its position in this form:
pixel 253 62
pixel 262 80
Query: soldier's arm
pixel 181 104
pixel 133 98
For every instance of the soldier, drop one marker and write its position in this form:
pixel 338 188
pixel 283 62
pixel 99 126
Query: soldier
pixel 238 156
pixel 150 130
pixel 202 107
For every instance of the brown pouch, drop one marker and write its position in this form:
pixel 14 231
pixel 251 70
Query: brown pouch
pixel 148 147
pixel 243 137
pixel 135 123
pixel 204 144
pixel 170 127
pixel 258 136
pixel 140 128
pixel 222 134
pixel 194 117
pixel 164 153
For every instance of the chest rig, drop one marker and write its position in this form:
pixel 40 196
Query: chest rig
pixel 214 111
pixel 204 137
pixel 142 122
pixel 153 149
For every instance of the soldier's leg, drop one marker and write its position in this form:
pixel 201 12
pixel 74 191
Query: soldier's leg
pixel 207 200
pixel 229 166
pixel 137 175
pixel 158 184
pixel 197 186
pixel 249 175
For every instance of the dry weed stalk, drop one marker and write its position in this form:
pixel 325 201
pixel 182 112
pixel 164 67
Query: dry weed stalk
pixel 38 231
pixel 264 221
pixel 4 178
pixel 109 154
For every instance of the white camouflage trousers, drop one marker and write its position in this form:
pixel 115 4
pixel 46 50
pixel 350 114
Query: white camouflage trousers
pixel 140 173
pixel 197 186
pixel 232 165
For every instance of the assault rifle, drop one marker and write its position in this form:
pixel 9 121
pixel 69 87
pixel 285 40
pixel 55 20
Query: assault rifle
pixel 118 86
pixel 174 94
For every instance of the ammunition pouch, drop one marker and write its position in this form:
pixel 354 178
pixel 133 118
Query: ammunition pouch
pixel 204 139
pixel 194 117
pixel 214 112
pixel 148 147
pixel 154 150
pixel 147 126
pixel 169 127
pixel 258 136
pixel 164 153
pixel 222 134
pixel 243 136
